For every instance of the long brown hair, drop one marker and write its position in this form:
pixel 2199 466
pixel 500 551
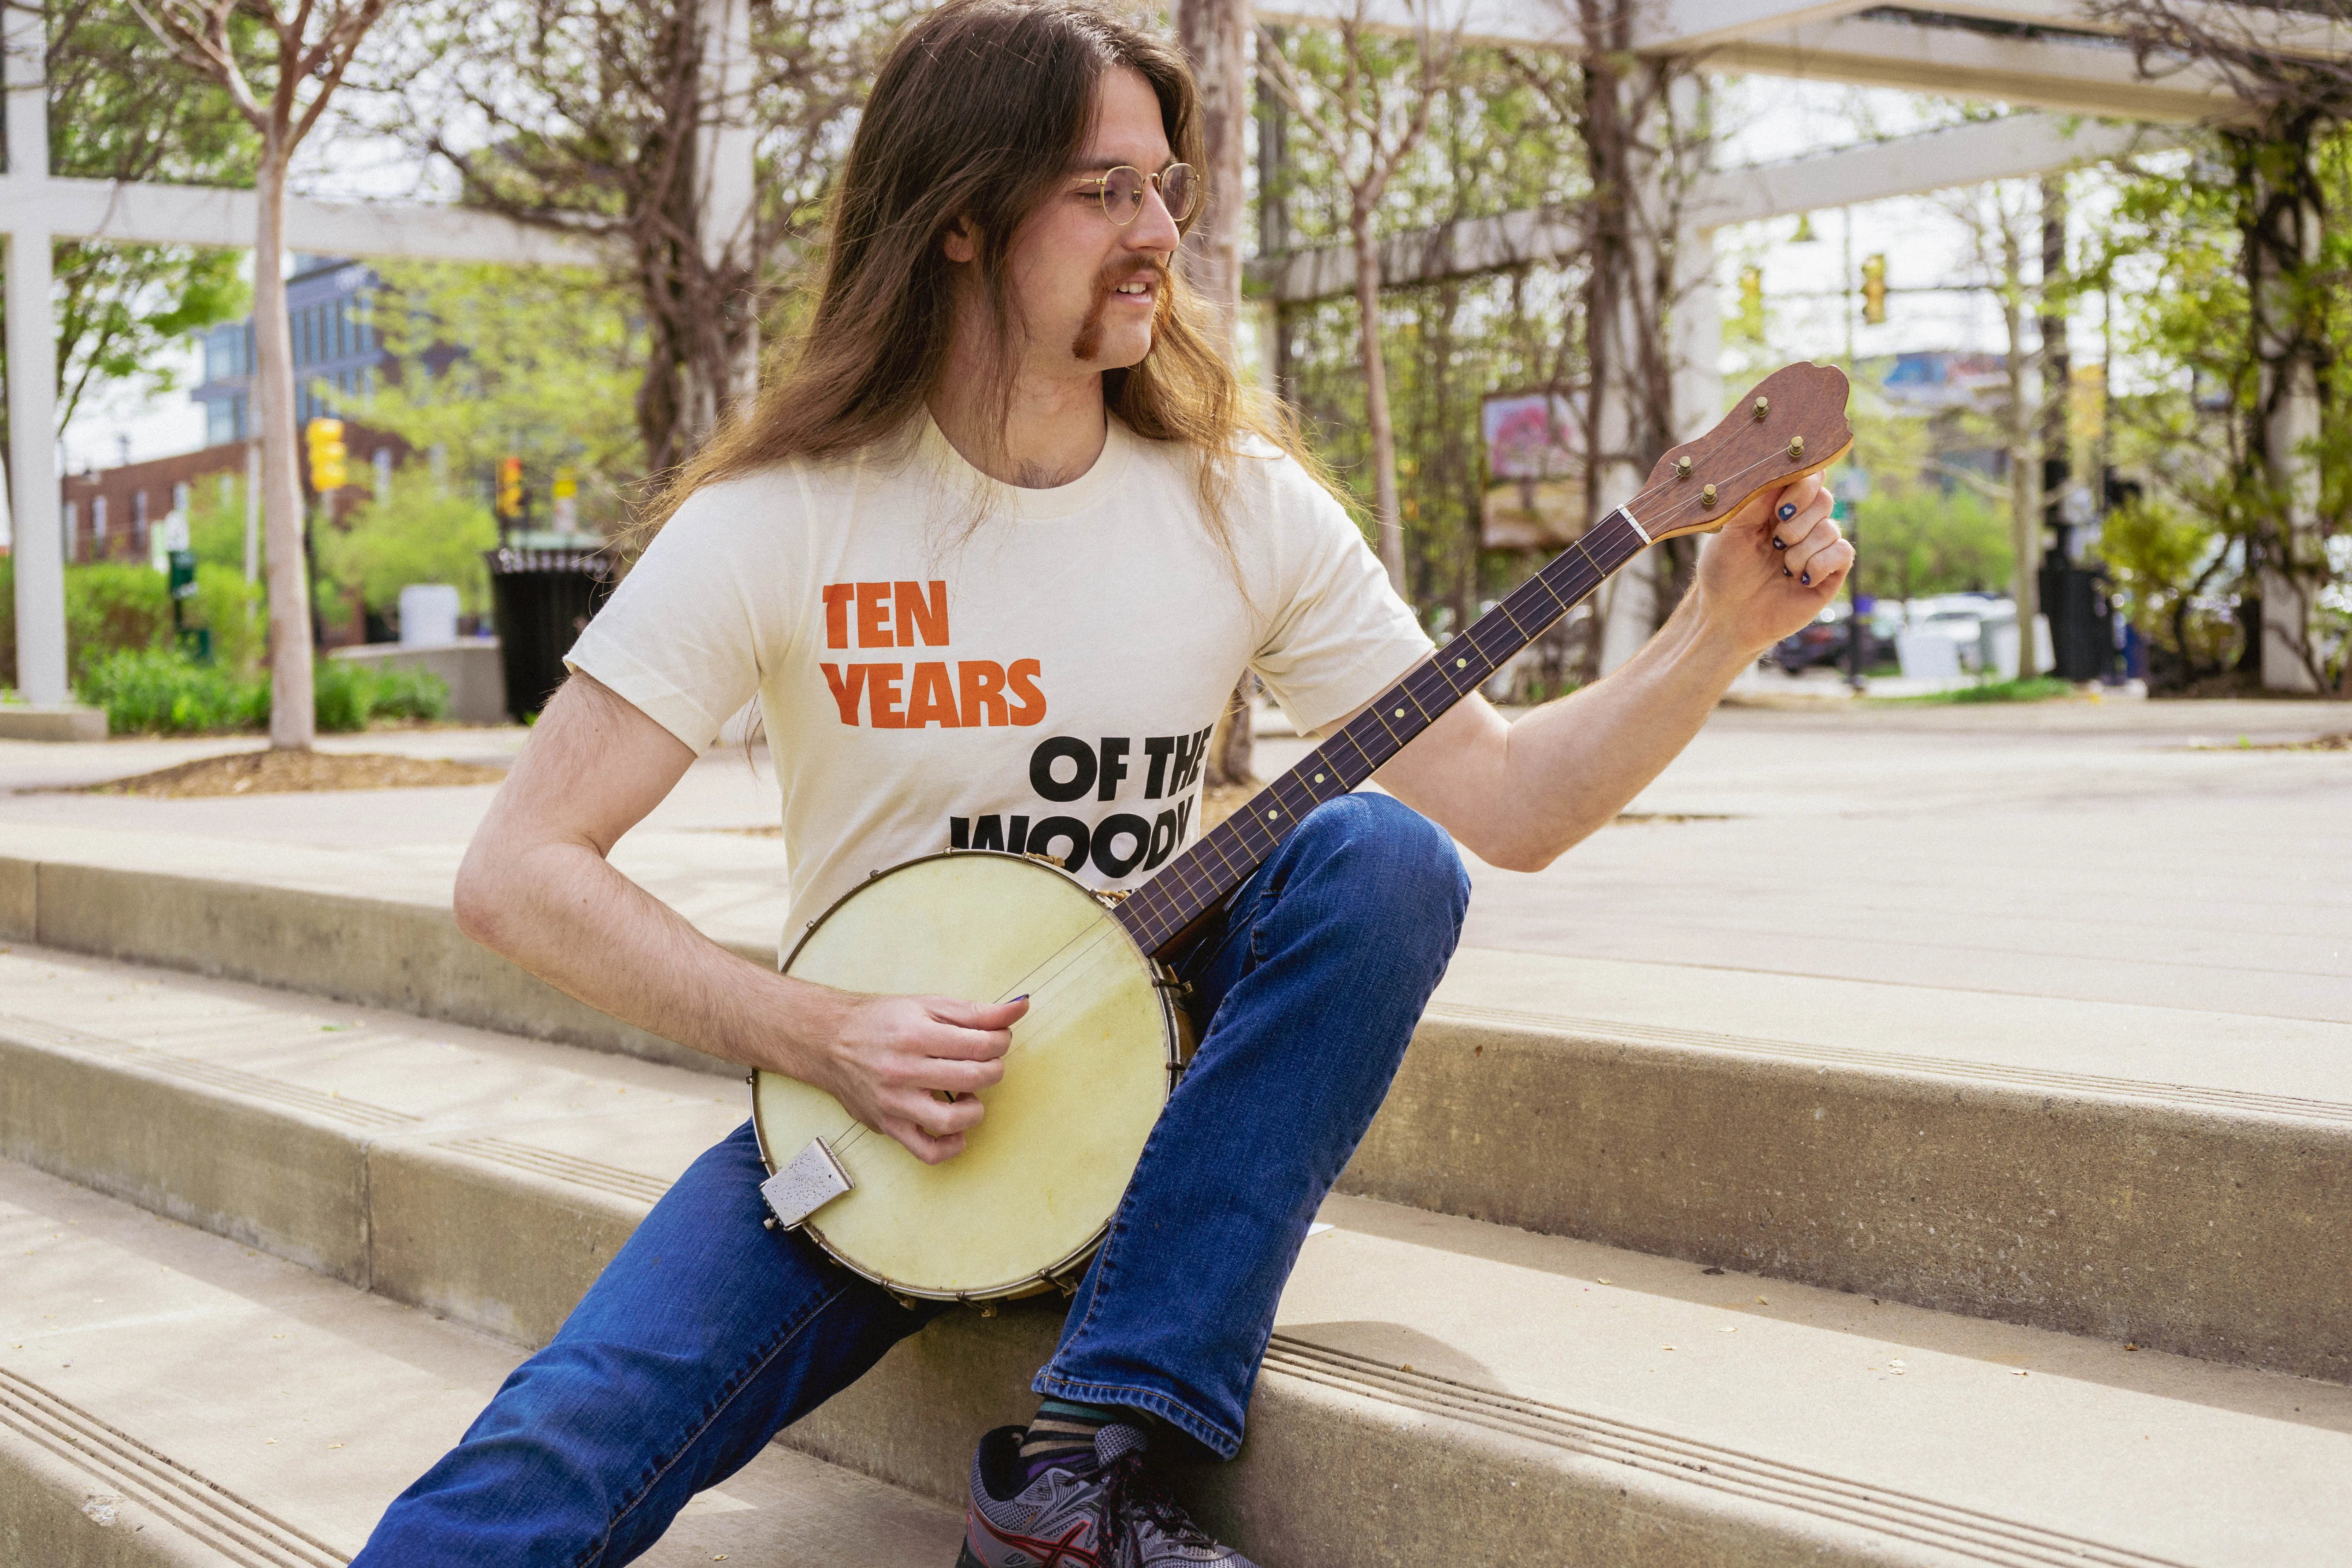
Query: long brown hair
pixel 979 114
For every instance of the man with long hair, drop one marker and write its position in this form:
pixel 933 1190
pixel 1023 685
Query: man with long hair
pixel 1008 456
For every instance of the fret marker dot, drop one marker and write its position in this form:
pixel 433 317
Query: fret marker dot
pixel 1400 713
pixel 1269 816
pixel 1460 664
pixel 1318 778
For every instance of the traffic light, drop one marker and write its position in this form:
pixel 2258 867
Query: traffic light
pixel 1874 289
pixel 1751 300
pixel 326 439
pixel 510 487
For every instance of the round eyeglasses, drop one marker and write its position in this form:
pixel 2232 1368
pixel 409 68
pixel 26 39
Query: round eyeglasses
pixel 1122 190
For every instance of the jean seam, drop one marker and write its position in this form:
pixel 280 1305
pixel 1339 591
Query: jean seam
pixel 744 1379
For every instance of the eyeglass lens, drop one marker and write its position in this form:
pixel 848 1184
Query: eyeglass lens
pixel 1122 192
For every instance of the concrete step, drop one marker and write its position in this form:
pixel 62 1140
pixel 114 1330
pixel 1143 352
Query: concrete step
pixel 1439 1388
pixel 170 1398
pixel 2179 1178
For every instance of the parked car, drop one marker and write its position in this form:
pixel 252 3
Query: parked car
pixel 1824 641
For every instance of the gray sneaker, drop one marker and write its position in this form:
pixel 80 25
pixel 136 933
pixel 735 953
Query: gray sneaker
pixel 1106 1515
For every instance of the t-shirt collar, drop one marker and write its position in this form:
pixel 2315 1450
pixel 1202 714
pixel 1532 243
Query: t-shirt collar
pixel 1087 491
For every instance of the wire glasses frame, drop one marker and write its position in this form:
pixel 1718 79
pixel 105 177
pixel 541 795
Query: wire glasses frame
pixel 1121 191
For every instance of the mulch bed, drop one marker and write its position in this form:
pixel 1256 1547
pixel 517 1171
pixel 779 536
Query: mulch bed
pixel 2342 743
pixel 292 772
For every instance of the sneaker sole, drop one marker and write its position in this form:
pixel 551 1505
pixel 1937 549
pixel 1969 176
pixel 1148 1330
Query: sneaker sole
pixel 964 1559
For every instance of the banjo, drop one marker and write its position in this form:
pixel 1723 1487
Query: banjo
pixel 1106 1038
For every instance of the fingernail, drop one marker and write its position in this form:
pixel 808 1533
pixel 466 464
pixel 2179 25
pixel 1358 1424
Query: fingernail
pixel 1787 511
pixel 1786 573
pixel 1807 579
pixel 1023 997
pixel 1779 543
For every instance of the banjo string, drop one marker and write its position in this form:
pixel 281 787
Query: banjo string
pixel 1076 965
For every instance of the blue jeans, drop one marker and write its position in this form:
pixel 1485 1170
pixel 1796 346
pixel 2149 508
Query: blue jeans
pixel 707 1335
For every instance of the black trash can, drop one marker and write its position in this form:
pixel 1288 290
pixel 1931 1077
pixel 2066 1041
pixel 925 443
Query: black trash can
pixel 541 600
pixel 2082 626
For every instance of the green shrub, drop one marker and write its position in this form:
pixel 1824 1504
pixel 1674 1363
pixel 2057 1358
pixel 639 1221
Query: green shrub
pixel 162 692
pixel 411 694
pixel 236 612
pixel 114 606
pixel 345 694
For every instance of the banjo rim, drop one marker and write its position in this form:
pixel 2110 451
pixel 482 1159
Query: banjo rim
pixel 1176 1030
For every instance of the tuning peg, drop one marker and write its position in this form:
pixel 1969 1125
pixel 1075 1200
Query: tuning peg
pixel 1763 406
pixel 1706 495
pixel 1797 447
pixel 1682 468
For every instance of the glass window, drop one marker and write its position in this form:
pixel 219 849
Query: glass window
pixel 220 422
pixel 72 521
pixel 97 519
pixel 138 511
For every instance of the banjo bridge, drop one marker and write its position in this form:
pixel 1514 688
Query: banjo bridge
pixel 804 1184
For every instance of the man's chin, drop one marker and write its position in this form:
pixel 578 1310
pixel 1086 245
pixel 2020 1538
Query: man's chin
pixel 1122 351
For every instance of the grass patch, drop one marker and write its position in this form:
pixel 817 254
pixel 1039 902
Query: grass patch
pixel 2040 688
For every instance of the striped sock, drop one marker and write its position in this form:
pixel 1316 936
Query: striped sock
pixel 1061 1436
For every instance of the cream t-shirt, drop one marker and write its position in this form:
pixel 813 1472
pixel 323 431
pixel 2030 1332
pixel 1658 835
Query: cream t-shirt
pixel 1044 679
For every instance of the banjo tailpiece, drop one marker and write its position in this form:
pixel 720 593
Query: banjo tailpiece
pixel 804 1183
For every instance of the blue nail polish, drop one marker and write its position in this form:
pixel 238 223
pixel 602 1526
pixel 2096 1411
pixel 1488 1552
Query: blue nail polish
pixel 1780 544
pixel 1023 997
pixel 1786 573
pixel 1807 579
pixel 1787 511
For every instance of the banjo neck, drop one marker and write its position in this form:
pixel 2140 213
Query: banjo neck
pixel 1789 425
pixel 1161 914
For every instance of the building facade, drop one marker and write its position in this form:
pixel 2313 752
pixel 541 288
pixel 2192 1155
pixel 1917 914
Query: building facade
pixel 330 305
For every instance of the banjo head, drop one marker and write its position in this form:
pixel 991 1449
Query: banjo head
pixel 1086 1074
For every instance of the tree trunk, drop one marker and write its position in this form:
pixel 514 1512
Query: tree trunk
pixel 2024 500
pixel 1389 516
pixel 293 718
pixel 2281 245
pixel 1215 34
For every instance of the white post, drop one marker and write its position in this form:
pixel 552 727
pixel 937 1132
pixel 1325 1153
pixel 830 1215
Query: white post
pixel 728 171
pixel 33 379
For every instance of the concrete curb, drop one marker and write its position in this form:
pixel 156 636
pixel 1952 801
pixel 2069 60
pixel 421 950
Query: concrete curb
pixel 2213 1224
pixel 2224 1234
pixel 1352 1461
pixel 377 952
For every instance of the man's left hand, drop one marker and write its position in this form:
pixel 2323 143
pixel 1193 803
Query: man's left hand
pixel 1779 559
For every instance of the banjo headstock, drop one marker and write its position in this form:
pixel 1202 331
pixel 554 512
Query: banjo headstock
pixel 1791 423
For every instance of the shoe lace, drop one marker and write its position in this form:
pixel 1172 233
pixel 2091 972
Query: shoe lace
pixel 1130 1498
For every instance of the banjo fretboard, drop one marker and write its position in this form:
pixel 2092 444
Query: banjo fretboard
pixel 1159 912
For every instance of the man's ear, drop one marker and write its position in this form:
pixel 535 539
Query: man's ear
pixel 961 241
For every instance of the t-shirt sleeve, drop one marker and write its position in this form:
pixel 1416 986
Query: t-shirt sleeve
pixel 1336 633
pixel 685 636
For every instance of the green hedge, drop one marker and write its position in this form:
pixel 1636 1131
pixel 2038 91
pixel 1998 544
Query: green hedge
pixel 158 692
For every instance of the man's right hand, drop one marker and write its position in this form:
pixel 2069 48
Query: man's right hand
pixel 890 1060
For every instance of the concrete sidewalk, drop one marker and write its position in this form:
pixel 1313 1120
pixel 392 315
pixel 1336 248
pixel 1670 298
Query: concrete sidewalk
pixel 2073 850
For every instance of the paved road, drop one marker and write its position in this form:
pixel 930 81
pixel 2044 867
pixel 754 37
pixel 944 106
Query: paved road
pixel 2122 852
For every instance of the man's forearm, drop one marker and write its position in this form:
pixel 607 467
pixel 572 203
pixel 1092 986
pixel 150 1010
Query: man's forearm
pixel 562 912
pixel 1519 796
pixel 1572 766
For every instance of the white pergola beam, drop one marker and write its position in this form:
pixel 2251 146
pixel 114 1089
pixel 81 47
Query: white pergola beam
pixel 206 215
pixel 2016 147
pixel 1686 27
pixel 2088 77
pixel 2287 32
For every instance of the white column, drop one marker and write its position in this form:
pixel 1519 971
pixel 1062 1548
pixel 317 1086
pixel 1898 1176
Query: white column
pixel 33 379
pixel 728 184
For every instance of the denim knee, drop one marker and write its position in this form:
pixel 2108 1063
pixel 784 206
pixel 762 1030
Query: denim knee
pixel 1405 875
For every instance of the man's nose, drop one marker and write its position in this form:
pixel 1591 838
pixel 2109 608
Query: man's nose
pixel 1153 228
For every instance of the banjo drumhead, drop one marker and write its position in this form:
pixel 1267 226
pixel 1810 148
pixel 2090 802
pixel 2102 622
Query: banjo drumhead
pixel 1084 1082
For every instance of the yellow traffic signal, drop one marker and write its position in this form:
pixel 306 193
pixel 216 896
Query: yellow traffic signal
pixel 1874 289
pixel 326 439
pixel 510 487
pixel 1751 300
